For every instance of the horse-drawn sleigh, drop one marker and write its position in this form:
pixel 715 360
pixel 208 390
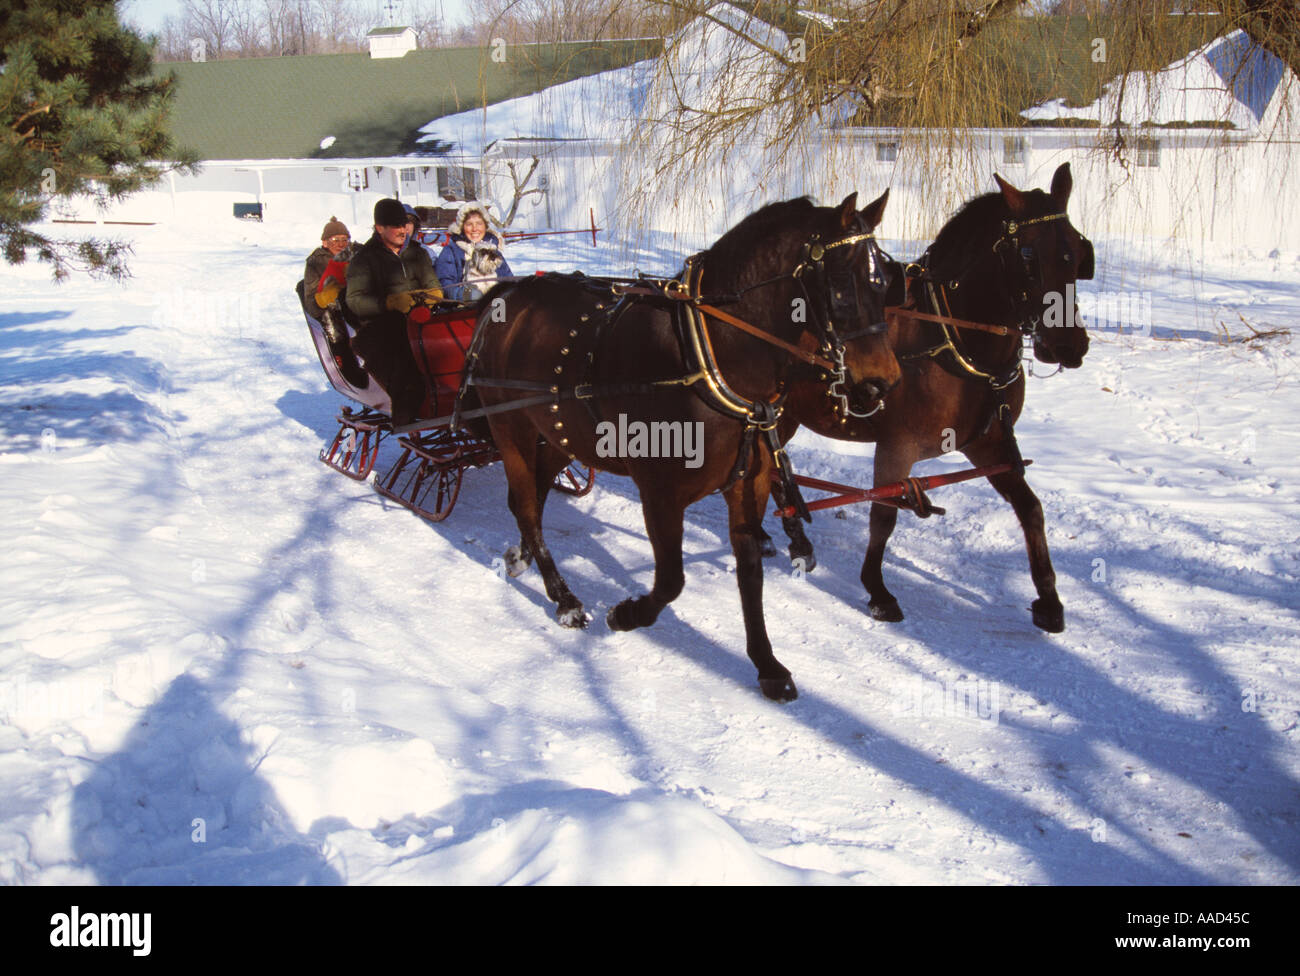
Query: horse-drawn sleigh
pixel 814 331
pixel 427 473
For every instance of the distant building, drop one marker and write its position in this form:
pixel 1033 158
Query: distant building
pixel 300 137
pixel 390 42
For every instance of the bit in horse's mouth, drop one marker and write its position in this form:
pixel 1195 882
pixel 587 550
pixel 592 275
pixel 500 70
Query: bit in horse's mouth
pixel 868 396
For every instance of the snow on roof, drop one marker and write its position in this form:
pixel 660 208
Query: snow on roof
pixel 1230 80
pixel 603 106
pixel 596 107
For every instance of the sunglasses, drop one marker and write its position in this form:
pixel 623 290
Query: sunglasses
pixel 337 240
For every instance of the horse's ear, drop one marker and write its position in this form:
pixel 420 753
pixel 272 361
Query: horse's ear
pixel 1062 184
pixel 848 210
pixel 874 212
pixel 1015 200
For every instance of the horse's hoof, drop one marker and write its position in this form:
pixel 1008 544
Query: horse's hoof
pixel 1048 616
pixel 808 560
pixel 574 617
pixel 612 620
pixel 766 547
pixel 779 689
pixel 889 612
pixel 516 563
pixel 623 615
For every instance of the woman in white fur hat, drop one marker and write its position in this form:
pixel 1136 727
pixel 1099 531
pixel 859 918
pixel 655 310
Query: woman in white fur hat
pixel 472 262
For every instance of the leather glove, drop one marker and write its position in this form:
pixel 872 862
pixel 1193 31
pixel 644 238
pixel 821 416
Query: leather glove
pixel 402 301
pixel 428 295
pixel 328 295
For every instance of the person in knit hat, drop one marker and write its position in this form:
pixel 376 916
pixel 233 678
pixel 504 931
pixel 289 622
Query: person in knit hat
pixel 335 244
pixel 472 262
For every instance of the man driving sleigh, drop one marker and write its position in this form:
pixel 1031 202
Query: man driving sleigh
pixel 385 280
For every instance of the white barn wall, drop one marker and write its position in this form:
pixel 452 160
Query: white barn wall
pixel 1239 195
pixel 1205 193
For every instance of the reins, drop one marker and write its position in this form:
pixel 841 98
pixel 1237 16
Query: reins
pixel 793 350
pixel 675 289
pixel 826 296
pixel 1010 235
pixel 686 288
pixel 897 312
pixel 962 363
pixel 711 310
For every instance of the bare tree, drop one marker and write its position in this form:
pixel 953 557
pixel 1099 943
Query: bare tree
pixel 339 25
pixel 173 41
pixel 426 20
pixel 212 22
pixel 556 21
pixel 246 28
pixel 937 66
pixel 521 189
pixel 278 24
pixel 1274 24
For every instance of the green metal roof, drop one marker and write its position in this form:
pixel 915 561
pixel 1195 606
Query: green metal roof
pixel 281 108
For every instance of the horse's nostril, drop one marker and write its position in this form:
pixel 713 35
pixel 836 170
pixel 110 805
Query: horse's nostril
pixel 870 391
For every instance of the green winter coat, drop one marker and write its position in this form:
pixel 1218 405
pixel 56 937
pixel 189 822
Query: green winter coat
pixel 375 272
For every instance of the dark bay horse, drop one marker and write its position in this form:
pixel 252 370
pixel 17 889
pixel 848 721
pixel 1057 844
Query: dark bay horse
pixel 640 385
pixel 1005 259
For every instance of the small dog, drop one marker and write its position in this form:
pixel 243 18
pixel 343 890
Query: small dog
pixel 481 263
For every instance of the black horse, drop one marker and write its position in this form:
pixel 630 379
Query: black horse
pixel 1002 268
pixel 653 381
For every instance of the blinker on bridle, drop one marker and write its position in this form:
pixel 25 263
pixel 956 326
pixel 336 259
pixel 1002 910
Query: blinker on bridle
pixel 1029 266
pixel 838 283
pixel 841 297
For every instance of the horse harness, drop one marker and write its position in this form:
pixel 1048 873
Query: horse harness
pixel 949 352
pixel 831 296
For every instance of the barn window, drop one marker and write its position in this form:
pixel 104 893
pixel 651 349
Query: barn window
pixel 1147 151
pixel 1014 149
pixel 457 183
pixel 886 152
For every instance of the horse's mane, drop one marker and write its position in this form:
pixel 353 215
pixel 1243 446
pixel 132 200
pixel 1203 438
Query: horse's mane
pixel 737 246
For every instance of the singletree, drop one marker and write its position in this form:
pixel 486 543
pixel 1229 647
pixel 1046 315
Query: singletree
pixel 83 113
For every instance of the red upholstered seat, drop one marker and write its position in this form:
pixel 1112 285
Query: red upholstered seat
pixel 439 341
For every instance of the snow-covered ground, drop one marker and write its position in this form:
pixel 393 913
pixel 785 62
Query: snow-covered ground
pixel 221 662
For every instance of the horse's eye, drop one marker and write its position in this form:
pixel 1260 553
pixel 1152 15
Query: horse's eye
pixel 1067 257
